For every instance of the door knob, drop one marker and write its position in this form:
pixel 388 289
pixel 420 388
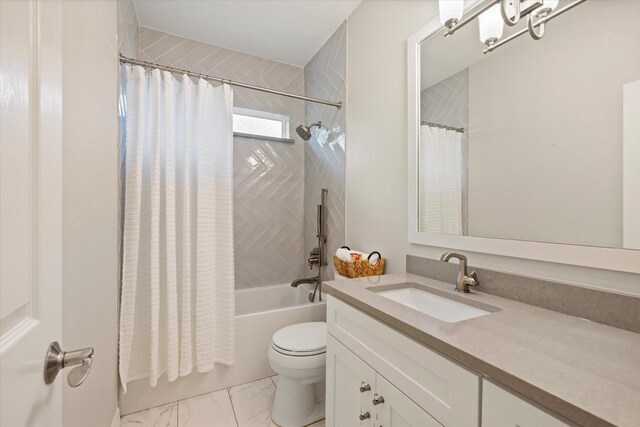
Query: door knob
pixel 378 400
pixel 56 360
pixel 364 387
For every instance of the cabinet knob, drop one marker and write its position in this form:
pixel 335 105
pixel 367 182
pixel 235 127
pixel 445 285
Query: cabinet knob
pixel 364 387
pixel 378 400
pixel 365 416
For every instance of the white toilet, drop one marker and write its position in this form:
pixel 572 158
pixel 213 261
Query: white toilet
pixel 297 354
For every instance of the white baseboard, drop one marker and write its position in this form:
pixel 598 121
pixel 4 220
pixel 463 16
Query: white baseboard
pixel 116 418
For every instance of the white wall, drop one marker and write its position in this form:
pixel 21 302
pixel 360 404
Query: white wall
pixel 90 136
pixel 376 159
pixel 376 176
pixel 631 171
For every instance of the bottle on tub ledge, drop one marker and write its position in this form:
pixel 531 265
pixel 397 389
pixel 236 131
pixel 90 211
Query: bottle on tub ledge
pixel 351 264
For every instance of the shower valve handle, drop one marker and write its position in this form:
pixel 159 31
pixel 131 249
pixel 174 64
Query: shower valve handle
pixel 314 258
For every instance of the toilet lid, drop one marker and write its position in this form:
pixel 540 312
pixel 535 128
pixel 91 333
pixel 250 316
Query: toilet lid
pixel 302 337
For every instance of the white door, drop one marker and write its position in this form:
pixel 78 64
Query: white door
pixel 395 409
pixel 350 385
pixel 30 209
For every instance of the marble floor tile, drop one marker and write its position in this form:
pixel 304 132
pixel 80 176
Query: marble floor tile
pixel 246 405
pixel 252 403
pixel 162 416
pixel 210 410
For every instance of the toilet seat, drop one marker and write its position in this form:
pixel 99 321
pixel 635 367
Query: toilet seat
pixel 302 339
pixel 297 353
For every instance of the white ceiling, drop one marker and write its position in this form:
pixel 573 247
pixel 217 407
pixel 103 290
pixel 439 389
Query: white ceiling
pixel 290 31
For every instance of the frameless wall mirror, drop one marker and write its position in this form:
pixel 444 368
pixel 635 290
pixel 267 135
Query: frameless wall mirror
pixel 529 146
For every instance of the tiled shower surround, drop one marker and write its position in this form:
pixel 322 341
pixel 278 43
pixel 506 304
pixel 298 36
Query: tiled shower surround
pixel 276 184
pixel 127 29
pixel 324 77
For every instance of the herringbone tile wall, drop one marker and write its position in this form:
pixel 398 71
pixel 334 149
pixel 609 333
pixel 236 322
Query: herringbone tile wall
pixel 447 103
pixel 324 77
pixel 127 29
pixel 268 176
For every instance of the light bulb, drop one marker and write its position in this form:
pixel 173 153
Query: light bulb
pixel 450 12
pixel 491 25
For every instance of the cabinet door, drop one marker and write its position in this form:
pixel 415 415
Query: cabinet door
pixel 350 385
pixel 503 409
pixel 395 409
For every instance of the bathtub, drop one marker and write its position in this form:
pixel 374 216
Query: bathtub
pixel 259 313
pixel 266 299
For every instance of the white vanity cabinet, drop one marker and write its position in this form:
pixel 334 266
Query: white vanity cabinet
pixel 501 408
pixel 362 397
pixel 379 377
pixel 419 386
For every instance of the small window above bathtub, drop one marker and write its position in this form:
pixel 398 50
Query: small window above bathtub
pixel 260 124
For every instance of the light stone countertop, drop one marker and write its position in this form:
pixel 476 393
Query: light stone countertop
pixel 587 372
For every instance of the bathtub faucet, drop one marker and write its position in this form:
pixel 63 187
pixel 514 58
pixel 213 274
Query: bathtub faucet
pixel 312 281
pixel 309 280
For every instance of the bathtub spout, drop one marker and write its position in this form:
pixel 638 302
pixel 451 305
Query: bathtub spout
pixel 310 280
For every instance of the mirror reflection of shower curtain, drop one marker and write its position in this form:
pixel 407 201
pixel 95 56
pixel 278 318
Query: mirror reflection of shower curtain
pixel 177 310
pixel 440 181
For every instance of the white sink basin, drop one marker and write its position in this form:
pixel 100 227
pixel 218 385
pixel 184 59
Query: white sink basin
pixel 426 301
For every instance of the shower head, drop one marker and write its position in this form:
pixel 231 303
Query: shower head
pixel 305 131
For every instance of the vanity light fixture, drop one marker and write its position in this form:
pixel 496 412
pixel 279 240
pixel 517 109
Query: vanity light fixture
pixel 542 12
pixel 494 13
pixel 491 26
pixel 450 12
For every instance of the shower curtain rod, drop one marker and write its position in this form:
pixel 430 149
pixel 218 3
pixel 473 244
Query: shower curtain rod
pixel 125 60
pixel 436 125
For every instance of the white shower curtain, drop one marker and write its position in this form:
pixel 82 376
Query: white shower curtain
pixel 440 181
pixel 177 308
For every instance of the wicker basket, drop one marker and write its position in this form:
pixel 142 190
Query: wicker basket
pixel 360 268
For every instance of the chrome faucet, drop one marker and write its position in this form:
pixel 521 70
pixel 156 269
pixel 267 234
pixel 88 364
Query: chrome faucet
pixel 463 281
